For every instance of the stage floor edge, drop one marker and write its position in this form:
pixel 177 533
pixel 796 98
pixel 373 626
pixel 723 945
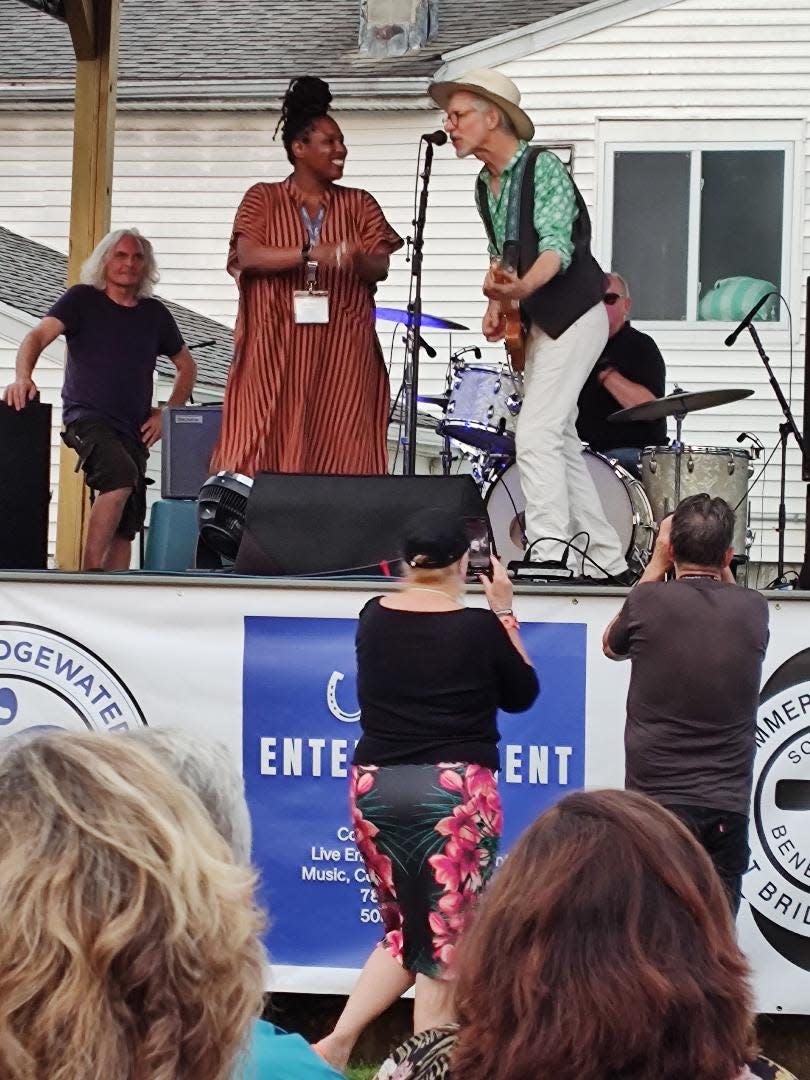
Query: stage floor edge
pixel 213 579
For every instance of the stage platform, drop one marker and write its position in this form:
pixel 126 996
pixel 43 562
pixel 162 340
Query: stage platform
pixel 266 665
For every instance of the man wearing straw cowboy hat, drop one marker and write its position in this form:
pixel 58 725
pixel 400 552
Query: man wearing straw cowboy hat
pixel 528 201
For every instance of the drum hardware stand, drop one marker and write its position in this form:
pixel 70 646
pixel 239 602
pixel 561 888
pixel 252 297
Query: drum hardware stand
pixel 414 338
pixel 786 428
pixel 677 445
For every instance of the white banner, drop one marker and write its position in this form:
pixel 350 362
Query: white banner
pixel 268 670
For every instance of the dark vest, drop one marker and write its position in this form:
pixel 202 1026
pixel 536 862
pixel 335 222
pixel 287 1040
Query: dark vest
pixel 560 302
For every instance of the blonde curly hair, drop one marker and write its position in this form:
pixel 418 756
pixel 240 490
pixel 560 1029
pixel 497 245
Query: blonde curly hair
pixel 130 941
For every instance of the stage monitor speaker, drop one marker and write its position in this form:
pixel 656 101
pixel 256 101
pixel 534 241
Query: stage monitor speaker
pixel 806 415
pixel 25 483
pixel 190 433
pixel 333 525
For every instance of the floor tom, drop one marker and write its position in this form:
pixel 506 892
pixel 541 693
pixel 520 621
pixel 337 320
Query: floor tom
pixel 719 471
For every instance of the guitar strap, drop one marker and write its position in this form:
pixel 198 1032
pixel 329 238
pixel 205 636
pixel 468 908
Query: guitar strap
pixel 512 234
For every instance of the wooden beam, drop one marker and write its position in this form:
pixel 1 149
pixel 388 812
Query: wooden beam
pixel 82 22
pixel 90 201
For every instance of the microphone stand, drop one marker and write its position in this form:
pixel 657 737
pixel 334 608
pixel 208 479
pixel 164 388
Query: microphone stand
pixel 789 427
pixel 414 338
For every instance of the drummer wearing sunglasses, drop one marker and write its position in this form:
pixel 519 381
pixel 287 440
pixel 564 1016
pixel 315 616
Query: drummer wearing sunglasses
pixel 629 372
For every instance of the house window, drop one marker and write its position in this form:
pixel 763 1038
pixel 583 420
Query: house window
pixel 699 233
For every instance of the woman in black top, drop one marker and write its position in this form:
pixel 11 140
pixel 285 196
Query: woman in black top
pixel 427 816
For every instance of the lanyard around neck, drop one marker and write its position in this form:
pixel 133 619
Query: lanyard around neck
pixel 313 225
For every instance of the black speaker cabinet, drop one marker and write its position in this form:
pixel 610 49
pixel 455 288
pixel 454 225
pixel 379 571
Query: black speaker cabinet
pixel 806 415
pixel 189 436
pixel 302 524
pixel 25 486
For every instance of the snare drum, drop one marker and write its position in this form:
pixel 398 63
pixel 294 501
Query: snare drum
pixel 717 470
pixel 623 501
pixel 483 407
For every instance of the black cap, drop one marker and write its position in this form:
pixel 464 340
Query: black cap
pixel 433 538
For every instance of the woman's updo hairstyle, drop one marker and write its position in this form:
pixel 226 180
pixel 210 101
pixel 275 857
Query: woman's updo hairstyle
pixel 307 99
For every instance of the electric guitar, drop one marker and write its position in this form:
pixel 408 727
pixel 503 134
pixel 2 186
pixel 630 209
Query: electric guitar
pixel 515 335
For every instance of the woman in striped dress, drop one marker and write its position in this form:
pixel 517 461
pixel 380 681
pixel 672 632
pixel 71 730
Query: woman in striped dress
pixel 307 396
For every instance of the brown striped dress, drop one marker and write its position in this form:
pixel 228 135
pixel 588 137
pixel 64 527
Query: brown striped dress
pixel 306 398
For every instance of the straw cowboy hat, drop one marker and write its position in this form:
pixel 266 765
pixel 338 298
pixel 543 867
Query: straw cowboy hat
pixel 494 87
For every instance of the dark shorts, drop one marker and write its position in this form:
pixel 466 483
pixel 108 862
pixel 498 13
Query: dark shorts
pixel 111 461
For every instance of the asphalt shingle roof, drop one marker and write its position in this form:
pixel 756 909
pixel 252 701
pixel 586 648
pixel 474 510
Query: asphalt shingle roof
pixel 32 278
pixel 245 39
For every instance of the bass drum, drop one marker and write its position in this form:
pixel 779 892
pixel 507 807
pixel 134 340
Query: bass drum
pixel 624 503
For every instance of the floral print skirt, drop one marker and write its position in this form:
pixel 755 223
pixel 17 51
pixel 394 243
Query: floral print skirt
pixel 428 835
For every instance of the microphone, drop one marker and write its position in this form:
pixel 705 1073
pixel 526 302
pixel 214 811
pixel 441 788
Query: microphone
pixel 732 337
pixel 428 348
pixel 757 443
pixel 438 138
pixel 422 344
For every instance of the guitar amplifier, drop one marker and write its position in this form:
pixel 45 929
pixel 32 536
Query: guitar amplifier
pixel 190 433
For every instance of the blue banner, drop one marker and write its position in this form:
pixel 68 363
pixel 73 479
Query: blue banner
pixel 300 727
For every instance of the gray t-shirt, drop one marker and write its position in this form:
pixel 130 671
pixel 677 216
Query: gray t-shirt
pixel 696 646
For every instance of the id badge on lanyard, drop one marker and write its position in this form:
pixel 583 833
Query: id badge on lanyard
pixel 311 305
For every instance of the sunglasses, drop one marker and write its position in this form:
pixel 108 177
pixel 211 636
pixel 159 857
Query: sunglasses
pixel 611 298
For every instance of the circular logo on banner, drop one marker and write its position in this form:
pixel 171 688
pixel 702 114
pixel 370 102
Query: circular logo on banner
pixel 777 885
pixel 48 680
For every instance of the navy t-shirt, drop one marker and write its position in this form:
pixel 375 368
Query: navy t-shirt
pixel 112 353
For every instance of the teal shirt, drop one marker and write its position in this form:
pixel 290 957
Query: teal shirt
pixel 283 1056
pixel 555 205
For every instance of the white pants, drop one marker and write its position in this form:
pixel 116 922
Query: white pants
pixel 561 498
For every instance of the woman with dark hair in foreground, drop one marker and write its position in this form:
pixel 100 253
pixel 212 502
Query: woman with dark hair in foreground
pixel 604 949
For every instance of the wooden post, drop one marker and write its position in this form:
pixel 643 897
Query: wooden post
pixel 94 30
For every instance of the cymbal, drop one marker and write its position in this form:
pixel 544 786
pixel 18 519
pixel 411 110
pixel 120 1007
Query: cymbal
pixel 432 322
pixel 441 400
pixel 679 403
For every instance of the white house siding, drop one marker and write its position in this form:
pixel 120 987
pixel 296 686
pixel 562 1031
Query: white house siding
pixel 179 177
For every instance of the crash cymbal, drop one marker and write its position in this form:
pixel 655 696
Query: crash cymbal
pixel 679 403
pixel 441 400
pixel 432 322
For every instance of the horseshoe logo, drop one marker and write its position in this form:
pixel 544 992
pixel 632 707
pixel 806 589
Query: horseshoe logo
pixel 8 705
pixel 331 700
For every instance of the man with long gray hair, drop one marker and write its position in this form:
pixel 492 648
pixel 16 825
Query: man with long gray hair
pixel 115 330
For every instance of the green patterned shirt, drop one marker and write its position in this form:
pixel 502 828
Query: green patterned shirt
pixel 555 206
